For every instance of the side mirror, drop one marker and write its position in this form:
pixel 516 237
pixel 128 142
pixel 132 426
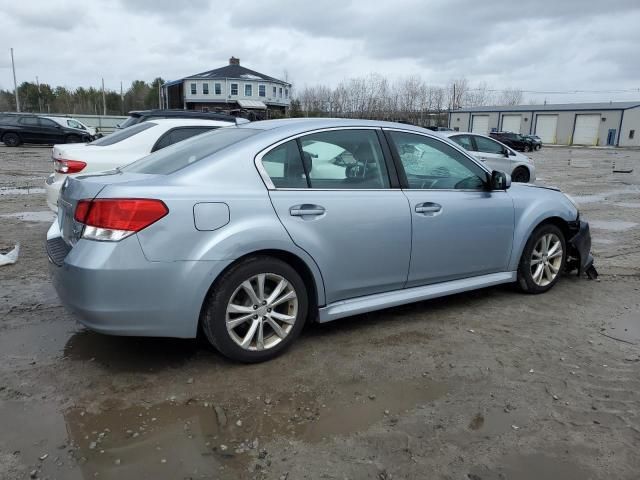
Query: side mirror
pixel 500 180
pixel 506 153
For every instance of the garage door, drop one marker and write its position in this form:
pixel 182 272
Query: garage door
pixel 511 123
pixel 480 124
pixel 586 131
pixel 546 126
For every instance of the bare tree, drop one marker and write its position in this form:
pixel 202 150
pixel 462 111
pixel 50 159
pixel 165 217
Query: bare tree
pixel 510 96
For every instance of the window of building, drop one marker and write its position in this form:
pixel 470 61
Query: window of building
pixel 286 93
pixel 205 89
pixel 632 134
pixel 274 92
pixel 248 90
pixel 193 89
pixel 262 90
pixel 280 92
pixel 218 88
pixel 234 89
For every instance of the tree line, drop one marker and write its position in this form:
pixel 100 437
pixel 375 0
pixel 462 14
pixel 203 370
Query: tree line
pixel 44 98
pixel 408 99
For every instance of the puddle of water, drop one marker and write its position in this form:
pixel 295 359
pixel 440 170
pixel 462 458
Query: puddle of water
pixel 38 341
pixel 613 225
pixel 624 327
pixel 533 467
pixel 21 190
pixel 174 440
pixel 43 216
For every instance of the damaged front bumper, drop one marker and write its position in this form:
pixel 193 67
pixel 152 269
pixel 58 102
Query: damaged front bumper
pixel 579 246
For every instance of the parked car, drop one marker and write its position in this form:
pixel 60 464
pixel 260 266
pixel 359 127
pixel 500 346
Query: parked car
pixel 514 140
pixel 119 149
pixel 16 129
pixel 497 156
pixel 139 116
pixel 75 124
pixel 536 140
pixel 235 233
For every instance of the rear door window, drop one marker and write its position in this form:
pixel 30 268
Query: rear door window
pixel 344 159
pixel 121 135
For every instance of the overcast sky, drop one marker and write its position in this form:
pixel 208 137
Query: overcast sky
pixel 544 45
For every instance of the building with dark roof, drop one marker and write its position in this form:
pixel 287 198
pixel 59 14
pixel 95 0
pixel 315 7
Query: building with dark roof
pixel 610 123
pixel 229 88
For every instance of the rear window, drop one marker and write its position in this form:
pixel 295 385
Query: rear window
pixel 187 152
pixel 121 135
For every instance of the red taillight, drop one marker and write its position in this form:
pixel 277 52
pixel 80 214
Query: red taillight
pixel 128 214
pixel 68 166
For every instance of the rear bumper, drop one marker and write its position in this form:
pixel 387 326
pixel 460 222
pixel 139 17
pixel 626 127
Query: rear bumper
pixel 115 290
pixel 580 246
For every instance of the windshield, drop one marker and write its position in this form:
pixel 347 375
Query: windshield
pixel 187 152
pixel 120 135
pixel 128 122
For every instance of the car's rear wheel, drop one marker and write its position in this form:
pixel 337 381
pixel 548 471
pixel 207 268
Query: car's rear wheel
pixel 521 175
pixel 11 139
pixel 542 260
pixel 255 310
pixel 73 139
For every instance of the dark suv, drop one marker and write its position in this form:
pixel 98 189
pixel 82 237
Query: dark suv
pixel 138 116
pixel 514 140
pixel 16 128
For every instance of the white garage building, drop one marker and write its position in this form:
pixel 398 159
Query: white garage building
pixel 613 123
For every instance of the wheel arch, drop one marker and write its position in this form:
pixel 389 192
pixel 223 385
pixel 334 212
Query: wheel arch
pixel 310 276
pixel 523 236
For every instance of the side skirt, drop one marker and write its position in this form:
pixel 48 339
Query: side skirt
pixel 369 303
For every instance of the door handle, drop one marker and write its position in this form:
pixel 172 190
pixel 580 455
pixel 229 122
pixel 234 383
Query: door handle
pixel 428 208
pixel 304 210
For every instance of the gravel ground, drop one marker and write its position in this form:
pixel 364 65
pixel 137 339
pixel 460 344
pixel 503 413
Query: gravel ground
pixel 485 385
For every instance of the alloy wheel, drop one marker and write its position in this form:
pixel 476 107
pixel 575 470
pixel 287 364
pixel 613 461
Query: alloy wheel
pixel 546 259
pixel 262 311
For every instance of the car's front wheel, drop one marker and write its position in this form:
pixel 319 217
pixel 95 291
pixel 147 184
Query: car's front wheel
pixel 542 260
pixel 521 175
pixel 256 309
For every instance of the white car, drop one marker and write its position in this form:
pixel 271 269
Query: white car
pixel 73 123
pixel 496 155
pixel 120 148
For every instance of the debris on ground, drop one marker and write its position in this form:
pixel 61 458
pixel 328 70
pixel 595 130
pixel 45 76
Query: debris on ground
pixel 10 257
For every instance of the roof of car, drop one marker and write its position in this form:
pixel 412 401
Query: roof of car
pixel 176 112
pixel 305 124
pixel 182 122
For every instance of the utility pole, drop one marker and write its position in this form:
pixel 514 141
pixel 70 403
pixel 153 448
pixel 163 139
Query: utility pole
pixel 15 84
pixel 121 99
pixel 159 95
pixel 39 95
pixel 453 103
pixel 104 100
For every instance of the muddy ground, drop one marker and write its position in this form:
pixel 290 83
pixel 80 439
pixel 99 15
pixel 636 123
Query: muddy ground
pixel 486 385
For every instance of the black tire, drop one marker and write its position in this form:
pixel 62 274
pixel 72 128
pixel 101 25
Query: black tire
pixel 213 321
pixel 11 139
pixel 73 139
pixel 527 148
pixel 525 276
pixel 538 147
pixel 521 175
